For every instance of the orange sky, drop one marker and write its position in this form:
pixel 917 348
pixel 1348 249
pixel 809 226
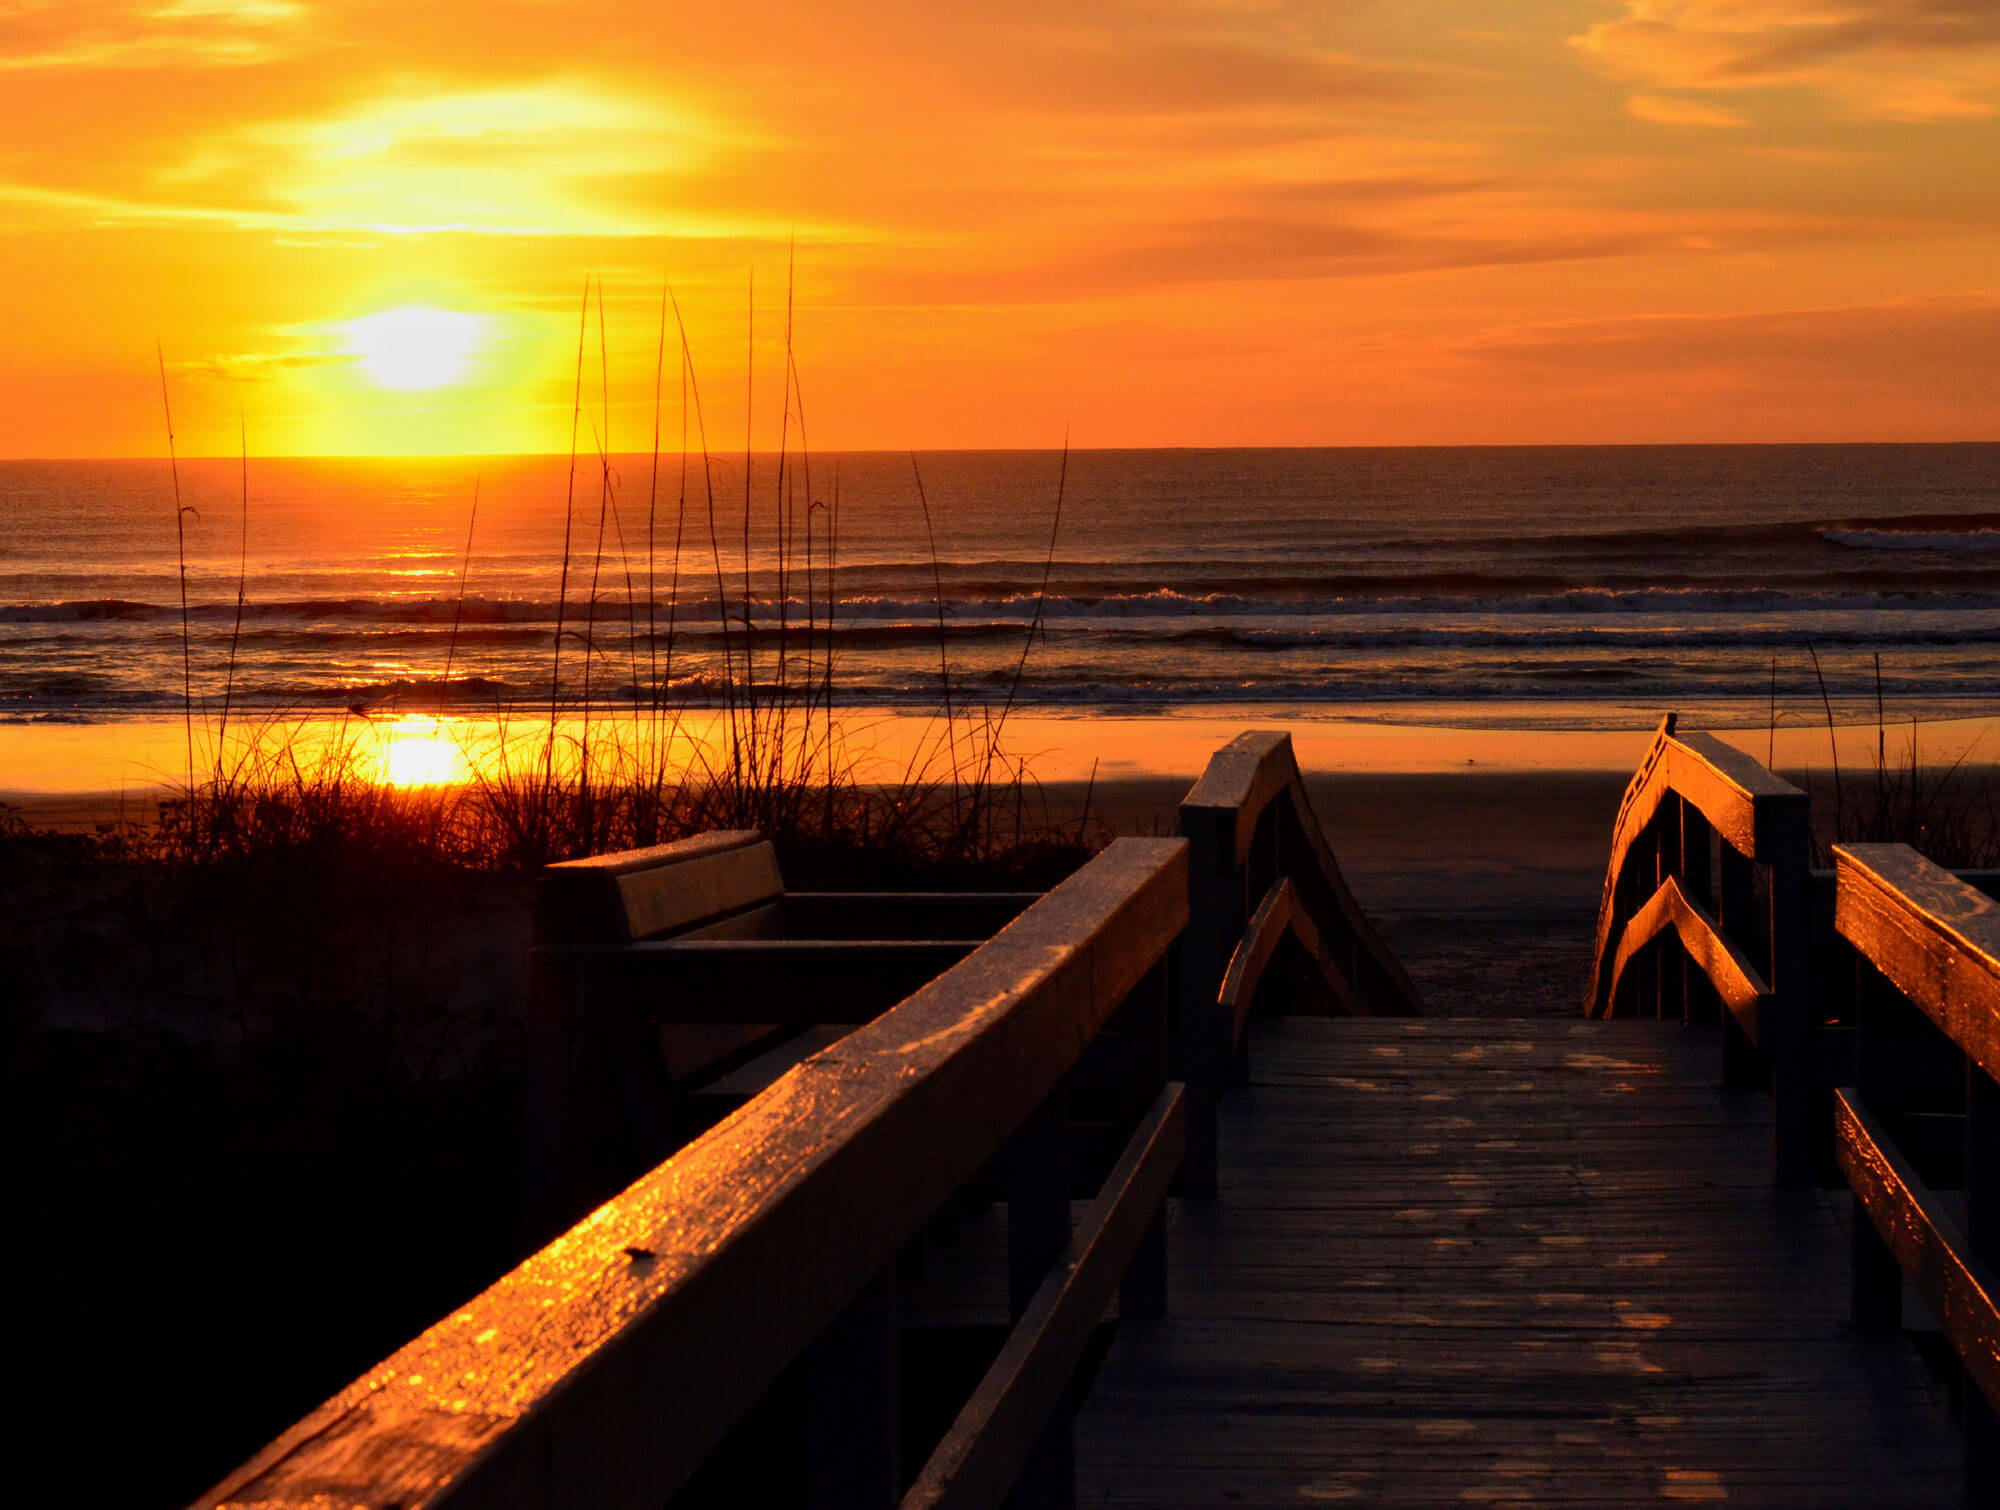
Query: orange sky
pixel 1175 222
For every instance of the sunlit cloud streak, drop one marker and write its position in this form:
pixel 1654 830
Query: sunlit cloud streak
pixel 82 34
pixel 1914 60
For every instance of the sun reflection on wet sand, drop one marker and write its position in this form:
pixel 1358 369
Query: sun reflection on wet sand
pixel 419 752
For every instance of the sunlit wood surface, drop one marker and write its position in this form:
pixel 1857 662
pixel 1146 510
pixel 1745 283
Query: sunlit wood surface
pixel 1480 1261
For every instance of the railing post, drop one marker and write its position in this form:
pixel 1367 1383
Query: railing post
pixel 1038 1229
pixel 1211 862
pixel 1982 1231
pixel 1802 1110
pixel 1142 1294
pixel 853 1436
pixel 1744 1067
pixel 1875 1304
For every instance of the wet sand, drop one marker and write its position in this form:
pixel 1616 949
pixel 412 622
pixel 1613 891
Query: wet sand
pixel 1485 883
pixel 1480 853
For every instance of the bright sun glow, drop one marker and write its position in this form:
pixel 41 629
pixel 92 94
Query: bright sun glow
pixel 420 753
pixel 415 346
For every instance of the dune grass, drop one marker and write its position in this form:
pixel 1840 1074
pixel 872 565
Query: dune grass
pixel 1948 812
pixel 624 750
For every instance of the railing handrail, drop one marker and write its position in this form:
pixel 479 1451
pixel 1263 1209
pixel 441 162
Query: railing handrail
pixel 1932 939
pixel 604 1368
pixel 1738 982
pixel 1239 909
pixel 1755 811
pixel 1735 953
pixel 1240 780
pixel 1245 777
pixel 1934 936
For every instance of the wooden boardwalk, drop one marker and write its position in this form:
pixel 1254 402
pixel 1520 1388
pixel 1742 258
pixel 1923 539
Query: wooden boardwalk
pixel 1491 1261
pixel 1416 1260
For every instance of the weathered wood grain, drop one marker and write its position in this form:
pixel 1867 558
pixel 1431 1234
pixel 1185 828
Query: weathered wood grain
pixel 1936 939
pixel 1931 1249
pixel 1735 979
pixel 1757 814
pixel 659 889
pixel 602 1370
pixel 1721 778
pixel 1486 1261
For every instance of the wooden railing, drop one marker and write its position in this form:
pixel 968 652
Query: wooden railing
pixel 1918 1135
pixel 1672 942
pixel 607 1368
pixel 1262 879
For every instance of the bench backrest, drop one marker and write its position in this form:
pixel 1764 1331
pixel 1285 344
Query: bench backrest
pixel 649 893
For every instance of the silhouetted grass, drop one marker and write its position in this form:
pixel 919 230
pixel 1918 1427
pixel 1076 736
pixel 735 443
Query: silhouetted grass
pixel 1950 813
pixel 262 1055
pixel 576 776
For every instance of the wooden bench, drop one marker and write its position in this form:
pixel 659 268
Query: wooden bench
pixel 608 1368
pixel 672 984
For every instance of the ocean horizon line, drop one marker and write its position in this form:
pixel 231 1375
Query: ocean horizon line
pixel 727 453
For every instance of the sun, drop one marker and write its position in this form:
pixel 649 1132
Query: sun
pixel 415 346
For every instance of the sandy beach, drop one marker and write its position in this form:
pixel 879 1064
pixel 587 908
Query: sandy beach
pixel 1484 882
pixel 1479 851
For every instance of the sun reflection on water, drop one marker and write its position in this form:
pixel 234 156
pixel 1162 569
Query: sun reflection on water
pixel 416 752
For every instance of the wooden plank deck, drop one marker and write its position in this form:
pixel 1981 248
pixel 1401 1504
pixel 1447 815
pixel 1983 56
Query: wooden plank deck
pixel 1492 1261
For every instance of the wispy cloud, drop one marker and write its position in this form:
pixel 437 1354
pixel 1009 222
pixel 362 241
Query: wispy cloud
pixel 257 366
pixel 38 35
pixel 517 160
pixel 1915 60
pixel 1902 369
pixel 1933 346
pixel 542 159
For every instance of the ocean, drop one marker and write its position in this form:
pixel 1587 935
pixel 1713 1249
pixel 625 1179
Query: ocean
pixel 1576 586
